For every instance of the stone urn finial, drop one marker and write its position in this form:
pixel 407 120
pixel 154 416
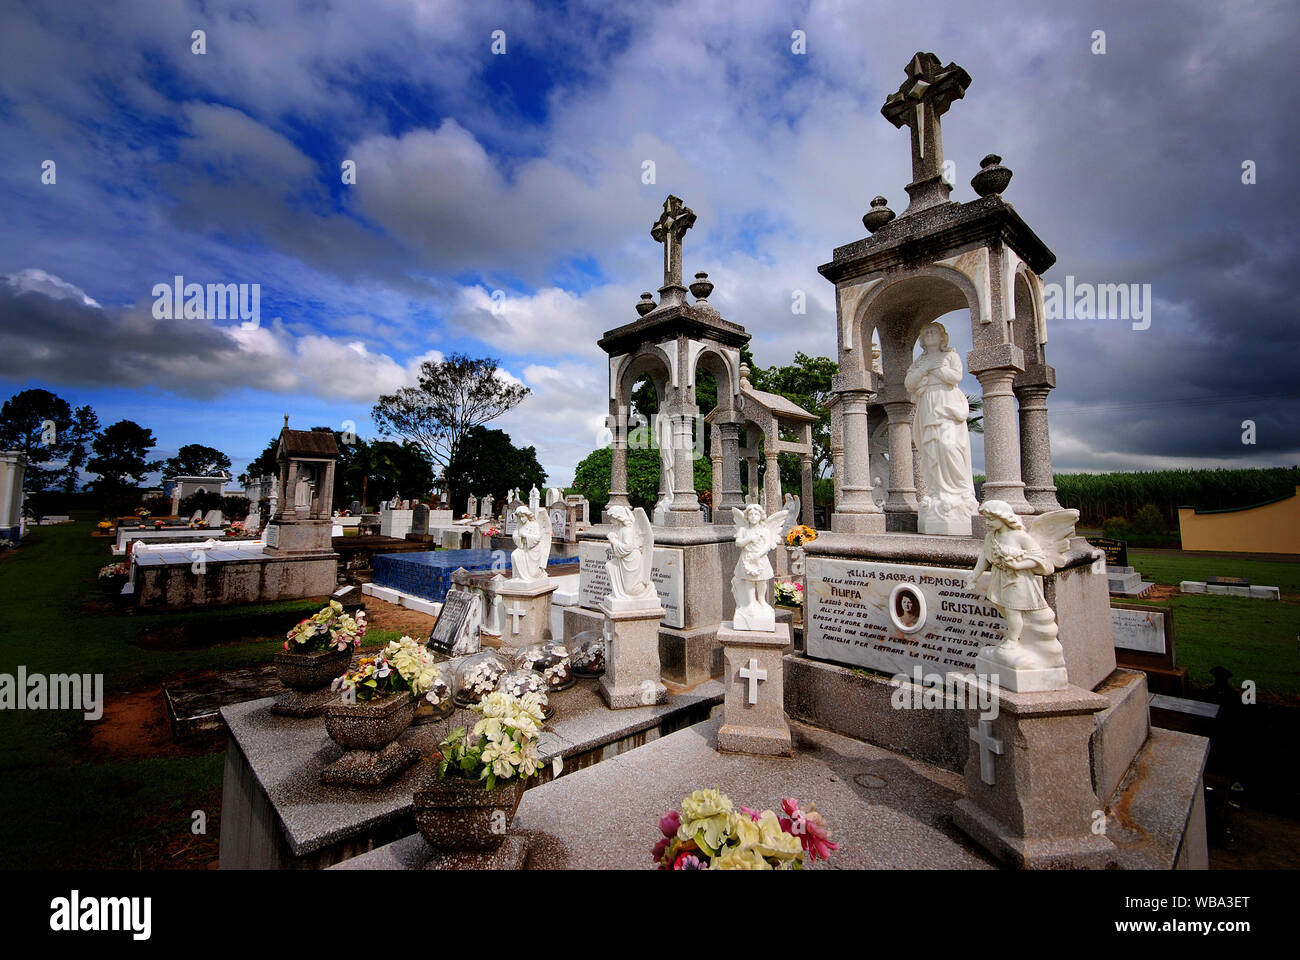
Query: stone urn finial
pixel 992 177
pixel 744 373
pixel 646 303
pixel 878 215
pixel 701 288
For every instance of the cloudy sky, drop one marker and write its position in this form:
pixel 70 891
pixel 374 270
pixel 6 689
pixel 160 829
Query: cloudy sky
pixel 522 173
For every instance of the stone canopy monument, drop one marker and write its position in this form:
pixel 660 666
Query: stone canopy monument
pixel 919 585
pixel 673 340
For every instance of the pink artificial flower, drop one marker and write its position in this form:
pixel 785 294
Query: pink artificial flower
pixel 809 827
pixel 669 823
pixel 657 854
pixel 798 586
pixel 752 814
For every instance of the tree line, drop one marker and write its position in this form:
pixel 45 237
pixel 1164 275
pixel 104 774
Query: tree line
pixel 440 441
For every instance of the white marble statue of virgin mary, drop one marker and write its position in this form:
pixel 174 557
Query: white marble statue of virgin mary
pixel 942 436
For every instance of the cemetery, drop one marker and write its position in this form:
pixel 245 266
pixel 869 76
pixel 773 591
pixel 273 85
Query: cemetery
pixel 839 614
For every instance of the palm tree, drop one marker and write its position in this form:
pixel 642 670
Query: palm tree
pixel 975 421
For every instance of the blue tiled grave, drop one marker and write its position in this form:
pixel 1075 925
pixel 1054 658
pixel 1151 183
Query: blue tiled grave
pixel 428 575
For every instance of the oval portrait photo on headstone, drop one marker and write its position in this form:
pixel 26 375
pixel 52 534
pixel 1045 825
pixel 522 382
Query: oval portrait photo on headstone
pixel 907 608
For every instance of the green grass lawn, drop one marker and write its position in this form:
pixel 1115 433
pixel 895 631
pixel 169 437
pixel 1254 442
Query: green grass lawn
pixel 1257 640
pixel 60 801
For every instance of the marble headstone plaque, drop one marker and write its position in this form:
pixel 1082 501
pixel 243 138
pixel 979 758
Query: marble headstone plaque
pixel 559 521
pixel 272 535
pixel 456 632
pixel 893 617
pixel 666 571
pixel 1140 630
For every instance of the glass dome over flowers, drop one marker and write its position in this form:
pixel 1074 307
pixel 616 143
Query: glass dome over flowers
pixel 587 654
pixel 520 683
pixel 551 660
pixel 477 676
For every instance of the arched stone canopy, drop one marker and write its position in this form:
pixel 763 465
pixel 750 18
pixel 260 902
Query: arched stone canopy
pixel 941 256
pixel 671 342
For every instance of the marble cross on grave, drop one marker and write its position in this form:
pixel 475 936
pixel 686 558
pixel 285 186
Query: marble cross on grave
pixel 753 674
pixel 989 745
pixel 923 98
pixel 669 230
pixel 514 613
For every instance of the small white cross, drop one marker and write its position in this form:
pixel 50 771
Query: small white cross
pixel 515 613
pixel 989 745
pixel 753 675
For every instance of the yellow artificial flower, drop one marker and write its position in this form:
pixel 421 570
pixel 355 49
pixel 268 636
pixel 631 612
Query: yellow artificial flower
pixel 703 804
pixel 743 859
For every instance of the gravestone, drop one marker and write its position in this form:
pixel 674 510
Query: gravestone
pixel 456 632
pixel 560 528
pixel 1116 550
pixel 355 508
pixel 213 519
pixel 1144 640
pixel 665 571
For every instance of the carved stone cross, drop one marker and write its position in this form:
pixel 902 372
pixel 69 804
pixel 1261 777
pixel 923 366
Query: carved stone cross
pixel 923 98
pixel 514 613
pixel 669 230
pixel 989 745
pixel 753 674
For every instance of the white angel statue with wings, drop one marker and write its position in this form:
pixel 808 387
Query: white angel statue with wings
pixel 631 546
pixel 757 535
pixel 532 545
pixel 1016 555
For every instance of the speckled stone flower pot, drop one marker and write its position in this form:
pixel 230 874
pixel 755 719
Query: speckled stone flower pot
pixel 456 814
pixel 311 671
pixel 369 724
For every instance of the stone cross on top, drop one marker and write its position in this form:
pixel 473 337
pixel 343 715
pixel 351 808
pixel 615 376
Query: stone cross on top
pixel 669 230
pixel 923 98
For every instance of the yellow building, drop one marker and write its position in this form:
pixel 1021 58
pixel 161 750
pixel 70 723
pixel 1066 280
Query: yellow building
pixel 1269 527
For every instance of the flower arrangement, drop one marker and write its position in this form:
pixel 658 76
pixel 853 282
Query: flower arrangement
pixel 157 524
pixel 401 666
pixel 142 513
pixel 478 678
pixel 236 529
pixel 494 531
pixel 503 744
pixel 328 627
pixel 104 526
pixel 709 833
pixel 800 534
pixel 551 660
pixel 113 570
pixel 789 593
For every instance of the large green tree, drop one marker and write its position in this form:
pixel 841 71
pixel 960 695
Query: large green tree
pixel 196 460
pixel 453 396
pixel 383 469
pixel 487 462
pixel 121 461
pixel 38 423
pixel 84 430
